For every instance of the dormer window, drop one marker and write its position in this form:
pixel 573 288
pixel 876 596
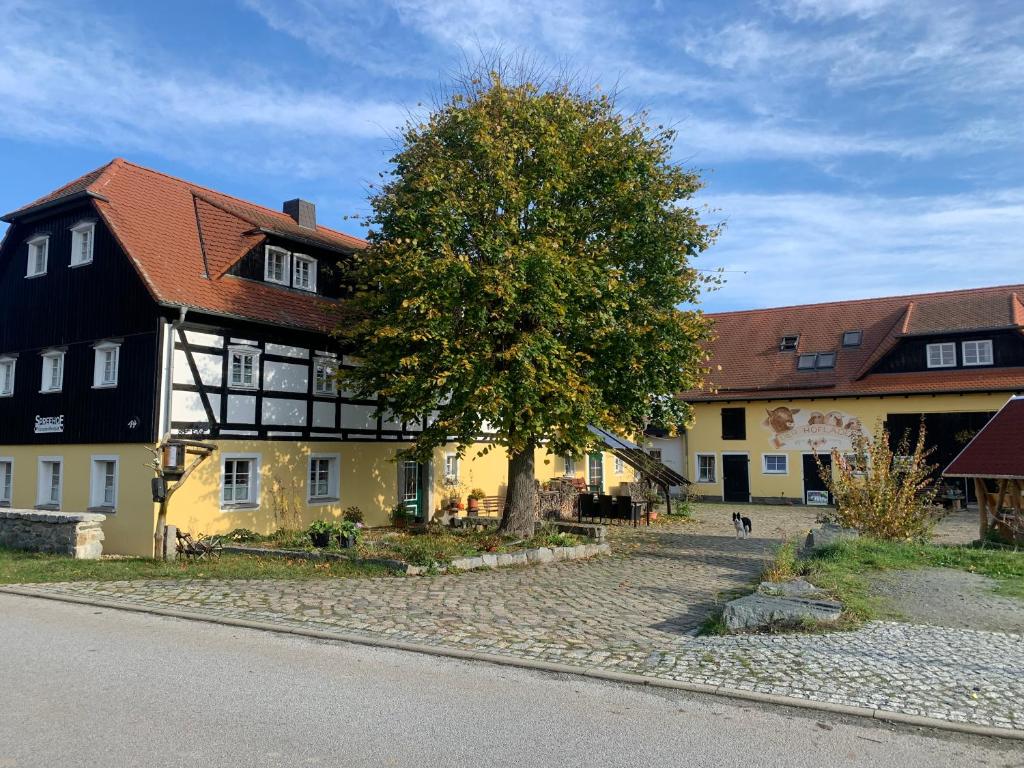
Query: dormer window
pixel 788 343
pixel 38 251
pixel 942 355
pixel 81 243
pixel 303 272
pixel 977 352
pixel 852 338
pixel 275 265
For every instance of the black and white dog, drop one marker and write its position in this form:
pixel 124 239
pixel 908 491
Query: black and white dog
pixel 742 525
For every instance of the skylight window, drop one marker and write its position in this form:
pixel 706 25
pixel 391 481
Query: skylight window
pixel 852 338
pixel 816 361
pixel 826 360
pixel 806 362
pixel 788 343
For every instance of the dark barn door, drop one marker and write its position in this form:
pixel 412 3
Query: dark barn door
pixel 735 478
pixel 812 477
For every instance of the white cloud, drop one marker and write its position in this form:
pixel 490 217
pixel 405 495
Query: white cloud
pixel 801 248
pixel 91 86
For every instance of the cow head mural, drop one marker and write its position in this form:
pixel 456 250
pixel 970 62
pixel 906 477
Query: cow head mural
pixel 780 420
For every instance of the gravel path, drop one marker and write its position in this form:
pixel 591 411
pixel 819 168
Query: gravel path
pixel 945 597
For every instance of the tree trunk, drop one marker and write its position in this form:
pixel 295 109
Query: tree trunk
pixel 521 496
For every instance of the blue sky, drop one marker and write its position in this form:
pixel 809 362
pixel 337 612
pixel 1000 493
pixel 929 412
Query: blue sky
pixel 853 147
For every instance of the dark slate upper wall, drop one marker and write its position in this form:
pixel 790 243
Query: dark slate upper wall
pixel 911 353
pixel 74 307
pixel 331 282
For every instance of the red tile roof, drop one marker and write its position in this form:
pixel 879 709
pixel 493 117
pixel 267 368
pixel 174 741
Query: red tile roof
pixel 997 451
pixel 183 238
pixel 746 362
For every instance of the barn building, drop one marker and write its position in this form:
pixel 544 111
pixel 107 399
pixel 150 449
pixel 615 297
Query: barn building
pixel 791 382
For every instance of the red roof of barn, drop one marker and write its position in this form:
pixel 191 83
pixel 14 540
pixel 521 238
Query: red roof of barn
pixel 997 451
pixel 747 342
pixel 183 238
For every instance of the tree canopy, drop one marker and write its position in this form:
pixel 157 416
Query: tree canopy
pixel 529 271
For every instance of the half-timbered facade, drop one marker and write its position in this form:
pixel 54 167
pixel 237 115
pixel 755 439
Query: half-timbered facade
pixel 134 305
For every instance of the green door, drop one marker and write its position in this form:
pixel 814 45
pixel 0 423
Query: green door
pixel 410 487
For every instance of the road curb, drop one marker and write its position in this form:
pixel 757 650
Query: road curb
pixel 537 665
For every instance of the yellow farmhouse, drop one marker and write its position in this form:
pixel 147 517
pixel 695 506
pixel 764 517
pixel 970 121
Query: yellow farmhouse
pixel 790 383
pixel 135 305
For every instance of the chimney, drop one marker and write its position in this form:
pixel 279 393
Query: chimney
pixel 303 211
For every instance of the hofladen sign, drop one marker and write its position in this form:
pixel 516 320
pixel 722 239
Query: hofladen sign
pixel 806 430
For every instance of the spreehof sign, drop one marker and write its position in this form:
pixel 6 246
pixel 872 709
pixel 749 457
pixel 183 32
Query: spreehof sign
pixel 49 424
pixel 801 429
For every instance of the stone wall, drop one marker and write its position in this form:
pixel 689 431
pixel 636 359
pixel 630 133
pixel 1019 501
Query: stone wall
pixel 79 535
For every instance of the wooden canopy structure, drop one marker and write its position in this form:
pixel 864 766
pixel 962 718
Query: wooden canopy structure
pixel 995 459
pixel 636 457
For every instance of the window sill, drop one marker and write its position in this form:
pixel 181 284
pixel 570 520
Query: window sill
pixel 47 507
pixel 321 501
pixel 101 510
pixel 6 394
pixel 78 264
pixel 5 505
pixel 105 386
pixel 769 472
pixel 233 507
pixel 37 274
pixel 707 482
pixel 50 391
pixel 243 388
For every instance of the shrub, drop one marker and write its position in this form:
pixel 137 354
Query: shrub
pixel 243 535
pixel 784 566
pixel 881 492
pixel 352 514
pixel 323 526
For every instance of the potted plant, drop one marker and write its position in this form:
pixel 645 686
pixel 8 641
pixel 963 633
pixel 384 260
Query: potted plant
pixel 652 498
pixel 399 517
pixel 348 533
pixel 354 514
pixel 474 501
pixel 321 532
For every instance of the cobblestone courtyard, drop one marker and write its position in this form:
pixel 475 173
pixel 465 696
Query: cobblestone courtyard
pixel 637 611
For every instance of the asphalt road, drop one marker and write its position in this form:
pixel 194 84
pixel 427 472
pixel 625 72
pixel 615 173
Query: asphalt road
pixel 84 686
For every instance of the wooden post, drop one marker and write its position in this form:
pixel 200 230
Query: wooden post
pixel 982 493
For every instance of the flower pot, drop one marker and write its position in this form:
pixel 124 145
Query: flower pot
pixel 321 540
pixel 347 542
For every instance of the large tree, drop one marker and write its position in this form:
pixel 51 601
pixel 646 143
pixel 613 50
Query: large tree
pixel 528 272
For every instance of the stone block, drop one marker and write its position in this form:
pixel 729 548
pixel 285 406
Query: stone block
pixel 756 611
pixel 489 560
pixel 540 555
pixel 826 535
pixel 792 588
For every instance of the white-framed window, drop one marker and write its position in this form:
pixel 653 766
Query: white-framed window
pixel 451 468
pixel 620 466
pixel 569 466
pixel 6 480
pixel 942 355
pixel 81 243
pixel 108 354
pixel 977 352
pixel 7 365
pixel 275 265
pixel 53 371
pixel 303 272
pixel 244 371
pixel 325 381
pixel 775 464
pixel 103 482
pixel 239 486
pixel 38 254
pixel 323 477
pixel 706 468
pixel 51 481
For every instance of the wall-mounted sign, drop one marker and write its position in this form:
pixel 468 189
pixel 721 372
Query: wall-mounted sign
pixel 45 424
pixel 807 430
pixel 817 498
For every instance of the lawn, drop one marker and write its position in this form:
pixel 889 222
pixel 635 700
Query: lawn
pixel 32 567
pixel 844 569
pixel 434 545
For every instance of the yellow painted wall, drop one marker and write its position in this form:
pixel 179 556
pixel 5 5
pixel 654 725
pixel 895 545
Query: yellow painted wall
pixel 127 530
pixel 704 435
pixel 367 478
